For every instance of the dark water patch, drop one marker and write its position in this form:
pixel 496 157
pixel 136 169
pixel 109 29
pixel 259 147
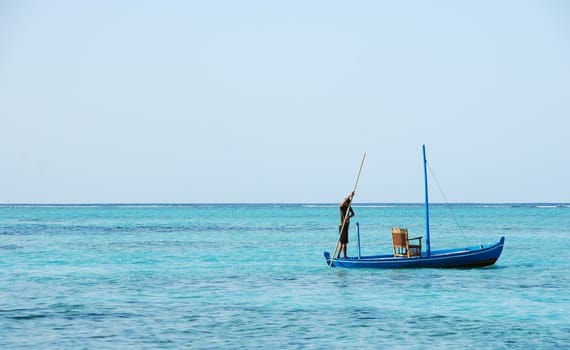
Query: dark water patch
pixel 28 317
pixel 103 336
pixel 285 278
pixel 67 312
pixel 9 247
pixel 366 314
pixel 24 314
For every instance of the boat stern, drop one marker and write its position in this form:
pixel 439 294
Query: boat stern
pixel 327 256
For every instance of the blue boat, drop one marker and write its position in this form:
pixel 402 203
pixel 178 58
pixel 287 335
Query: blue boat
pixel 409 254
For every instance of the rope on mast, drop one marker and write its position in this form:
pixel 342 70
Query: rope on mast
pixel 461 227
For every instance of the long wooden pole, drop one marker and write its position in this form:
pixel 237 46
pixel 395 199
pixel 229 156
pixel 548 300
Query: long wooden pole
pixel 347 211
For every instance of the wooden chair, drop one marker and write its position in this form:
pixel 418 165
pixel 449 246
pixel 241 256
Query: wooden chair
pixel 402 245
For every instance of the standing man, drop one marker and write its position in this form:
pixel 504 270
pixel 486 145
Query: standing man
pixel 345 208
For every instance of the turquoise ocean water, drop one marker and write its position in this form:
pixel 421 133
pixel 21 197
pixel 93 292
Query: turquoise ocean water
pixel 253 276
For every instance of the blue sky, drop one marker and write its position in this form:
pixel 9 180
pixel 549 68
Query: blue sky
pixel 276 101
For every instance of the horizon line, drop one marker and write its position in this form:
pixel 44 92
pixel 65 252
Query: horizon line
pixel 267 203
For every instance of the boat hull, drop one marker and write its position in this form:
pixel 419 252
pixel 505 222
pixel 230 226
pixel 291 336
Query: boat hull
pixel 468 257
